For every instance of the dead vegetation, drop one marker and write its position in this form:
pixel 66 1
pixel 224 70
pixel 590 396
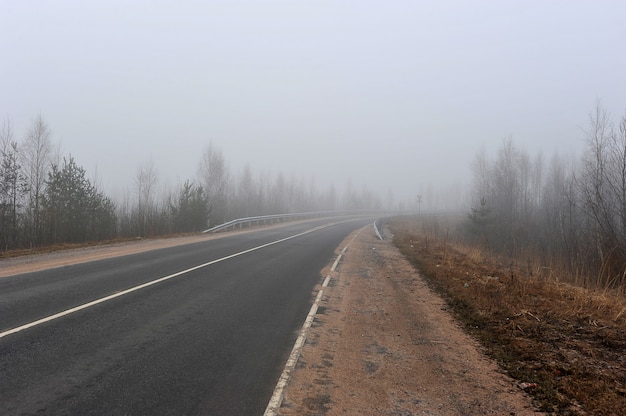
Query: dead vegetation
pixel 565 345
pixel 64 247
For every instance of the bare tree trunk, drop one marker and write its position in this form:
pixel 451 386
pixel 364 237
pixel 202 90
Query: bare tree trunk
pixel 37 153
pixel 145 182
pixel 216 181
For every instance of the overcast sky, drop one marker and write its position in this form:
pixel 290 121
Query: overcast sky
pixel 391 94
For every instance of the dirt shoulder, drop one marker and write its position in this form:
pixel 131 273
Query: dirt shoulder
pixel 36 262
pixel 41 261
pixel 383 343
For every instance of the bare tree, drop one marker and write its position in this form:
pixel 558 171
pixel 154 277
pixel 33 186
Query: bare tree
pixel 616 176
pixel 482 179
pixel 574 213
pixel 13 186
pixel 6 134
pixel 215 179
pixel 279 195
pixel 594 180
pixel 145 183
pixel 247 193
pixel 621 141
pixel 37 153
pixel 506 198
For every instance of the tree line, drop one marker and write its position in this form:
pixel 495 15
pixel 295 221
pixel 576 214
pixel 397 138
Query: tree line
pixel 47 198
pixel 570 213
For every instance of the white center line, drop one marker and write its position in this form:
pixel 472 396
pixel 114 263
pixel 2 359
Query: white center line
pixel 152 282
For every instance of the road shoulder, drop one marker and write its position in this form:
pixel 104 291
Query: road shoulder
pixel 61 258
pixel 383 343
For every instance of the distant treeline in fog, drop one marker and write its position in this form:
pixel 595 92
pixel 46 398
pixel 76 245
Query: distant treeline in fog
pixel 571 212
pixel 47 198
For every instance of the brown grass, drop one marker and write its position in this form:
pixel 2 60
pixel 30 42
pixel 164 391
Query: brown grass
pixel 20 252
pixel 569 341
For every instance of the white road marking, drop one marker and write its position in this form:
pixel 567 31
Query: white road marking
pixel 277 397
pixel 153 282
pixel 332 269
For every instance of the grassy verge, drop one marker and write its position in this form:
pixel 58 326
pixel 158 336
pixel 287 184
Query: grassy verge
pixel 565 345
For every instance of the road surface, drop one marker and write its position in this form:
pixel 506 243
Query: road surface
pixel 210 340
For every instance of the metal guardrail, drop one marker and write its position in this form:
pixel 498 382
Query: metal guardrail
pixel 377 229
pixel 266 219
pixel 270 219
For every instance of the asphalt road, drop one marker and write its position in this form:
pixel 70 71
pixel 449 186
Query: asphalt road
pixel 211 341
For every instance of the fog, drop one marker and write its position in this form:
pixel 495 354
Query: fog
pixel 395 96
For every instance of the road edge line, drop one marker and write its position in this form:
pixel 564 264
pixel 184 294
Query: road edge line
pixel 279 391
pixel 103 299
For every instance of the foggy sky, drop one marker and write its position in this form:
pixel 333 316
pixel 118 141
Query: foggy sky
pixel 394 95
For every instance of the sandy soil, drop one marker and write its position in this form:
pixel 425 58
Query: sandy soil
pixel 36 262
pixel 382 343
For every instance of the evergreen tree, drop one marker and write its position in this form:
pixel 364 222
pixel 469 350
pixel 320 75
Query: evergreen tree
pixel 75 211
pixel 191 211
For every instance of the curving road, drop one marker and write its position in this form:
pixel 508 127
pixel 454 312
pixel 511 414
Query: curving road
pixel 209 338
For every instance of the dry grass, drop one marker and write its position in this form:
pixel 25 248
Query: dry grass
pixel 49 249
pixel 568 341
pixel 8 254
